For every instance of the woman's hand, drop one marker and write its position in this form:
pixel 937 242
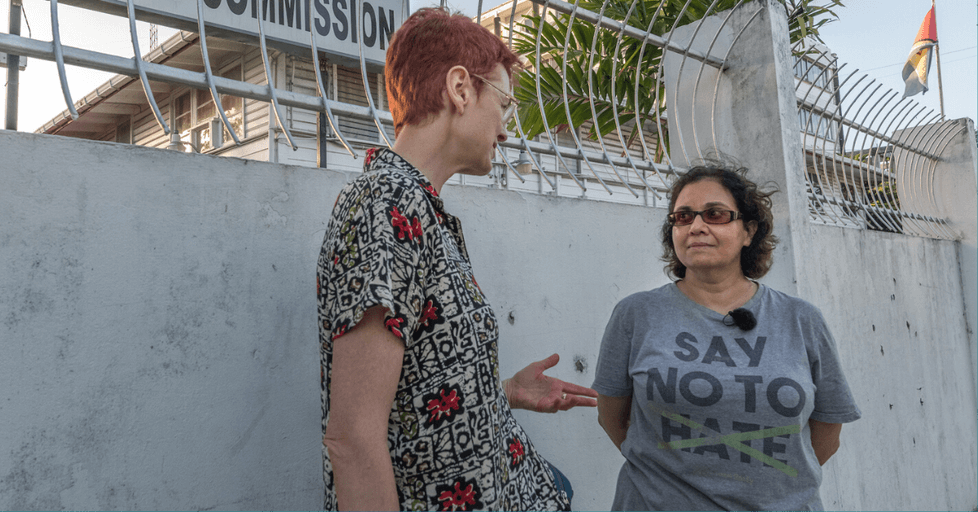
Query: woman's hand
pixel 532 390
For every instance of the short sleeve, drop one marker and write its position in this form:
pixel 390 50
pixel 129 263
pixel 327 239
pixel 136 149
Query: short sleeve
pixel 373 254
pixel 833 399
pixel 611 377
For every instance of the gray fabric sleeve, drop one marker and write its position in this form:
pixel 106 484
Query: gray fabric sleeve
pixel 833 399
pixel 611 376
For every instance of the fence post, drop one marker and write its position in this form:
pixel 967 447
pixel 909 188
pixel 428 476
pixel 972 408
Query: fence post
pixel 13 69
pixel 749 115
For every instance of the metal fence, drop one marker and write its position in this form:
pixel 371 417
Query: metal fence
pixel 869 157
pixel 870 153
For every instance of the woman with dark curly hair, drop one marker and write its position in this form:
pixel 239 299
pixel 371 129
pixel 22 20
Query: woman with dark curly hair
pixel 720 392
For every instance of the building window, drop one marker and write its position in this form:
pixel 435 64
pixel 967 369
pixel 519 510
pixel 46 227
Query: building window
pixel 195 114
pixel 816 125
pixel 123 132
pixel 811 72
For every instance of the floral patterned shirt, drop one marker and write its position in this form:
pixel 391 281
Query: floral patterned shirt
pixel 454 442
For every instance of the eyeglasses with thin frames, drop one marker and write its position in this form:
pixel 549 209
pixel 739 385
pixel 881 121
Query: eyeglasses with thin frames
pixel 710 216
pixel 508 109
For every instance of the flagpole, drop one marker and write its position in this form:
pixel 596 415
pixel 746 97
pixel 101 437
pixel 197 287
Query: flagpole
pixel 937 52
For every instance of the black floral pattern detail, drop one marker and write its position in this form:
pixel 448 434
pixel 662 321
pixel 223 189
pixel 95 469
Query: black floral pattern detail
pixel 391 243
pixel 461 495
pixel 444 406
pixel 516 451
pixel 430 318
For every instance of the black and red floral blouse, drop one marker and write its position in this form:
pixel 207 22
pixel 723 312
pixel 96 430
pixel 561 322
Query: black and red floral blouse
pixel 454 442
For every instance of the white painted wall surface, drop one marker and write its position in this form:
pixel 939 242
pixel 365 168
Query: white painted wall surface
pixel 158 325
pixel 159 342
pixel 158 322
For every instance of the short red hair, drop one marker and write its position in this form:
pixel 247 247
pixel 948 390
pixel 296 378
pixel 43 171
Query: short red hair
pixel 429 43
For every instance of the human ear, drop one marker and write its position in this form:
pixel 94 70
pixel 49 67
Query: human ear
pixel 751 231
pixel 457 83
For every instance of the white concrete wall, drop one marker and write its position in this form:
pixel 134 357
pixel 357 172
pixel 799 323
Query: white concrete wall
pixel 160 347
pixel 158 322
pixel 896 307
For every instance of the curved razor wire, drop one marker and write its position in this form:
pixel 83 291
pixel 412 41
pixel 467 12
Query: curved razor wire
pixel 590 90
pixel 543 113
pixel 138 60
pixel 268 80
pixel 59 59
pixel 700 71
pixel 366 82
pixel 323 102
pixel 210 75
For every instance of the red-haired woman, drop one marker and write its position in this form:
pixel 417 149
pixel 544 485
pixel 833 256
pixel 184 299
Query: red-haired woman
pixel 414 414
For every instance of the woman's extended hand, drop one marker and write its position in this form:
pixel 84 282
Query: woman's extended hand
pixel 532 390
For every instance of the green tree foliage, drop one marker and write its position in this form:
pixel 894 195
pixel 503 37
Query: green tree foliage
pixel 613 80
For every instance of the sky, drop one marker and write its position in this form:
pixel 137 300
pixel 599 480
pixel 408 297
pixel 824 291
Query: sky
pixel 873 36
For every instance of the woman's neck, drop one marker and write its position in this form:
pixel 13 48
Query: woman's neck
pixel 719 293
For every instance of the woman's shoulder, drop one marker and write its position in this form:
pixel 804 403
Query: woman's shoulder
pixel 648 298
pixel 784 302
pixel 385 187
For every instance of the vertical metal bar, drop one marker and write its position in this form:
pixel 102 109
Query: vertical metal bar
pixel 656 118
pixel 928 172
pixel 271 85
pixel 723 66
pixel 138 60
pixel 509 165
pixel 333 124
pixel 940 142
pixel 931 132
pixel 821 205
pixel 209 75
pixel 366 81
pixel 13 68
pixel 696 83
pixel 543 112
pixel 838 207
pixel 59 59
pixel 589 70
pixel 516 118
pixel 614 101
pixel 573 129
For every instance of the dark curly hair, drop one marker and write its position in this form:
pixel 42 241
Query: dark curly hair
pixel 753 203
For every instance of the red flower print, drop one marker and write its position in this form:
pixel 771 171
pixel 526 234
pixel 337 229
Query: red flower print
pixel 408 230
pixel 443 406
pixel 393 325
pixel 459 499
pixel 370 156
pixel 339 332
pixel 430 313
pixel 516 451
pixel 431 190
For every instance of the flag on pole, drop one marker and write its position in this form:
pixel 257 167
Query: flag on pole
pixel 918 63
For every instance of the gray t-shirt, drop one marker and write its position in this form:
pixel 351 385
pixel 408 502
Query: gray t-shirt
pixel 719 416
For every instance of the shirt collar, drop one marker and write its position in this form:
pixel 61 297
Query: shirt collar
pixel 379 158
